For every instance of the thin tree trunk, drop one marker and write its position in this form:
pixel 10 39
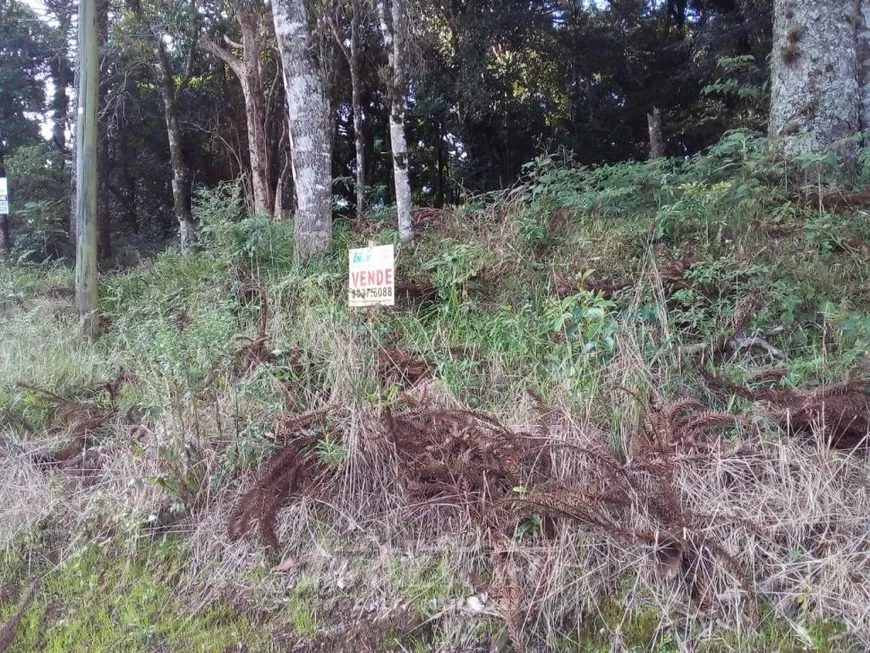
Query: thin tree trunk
pixel 656 142
pixel 61 70
pixel 73 192
pixel 439 161
pixel 310 136
pixel 87 129
pixel 255 101
pixel 104 226
pixel 248 72
pixel 356 100
pixel 5 239
pixel 280 189
pixel 394 41
pixel 815 101
pixel 60 100
pixel 863 35
pixel 180 174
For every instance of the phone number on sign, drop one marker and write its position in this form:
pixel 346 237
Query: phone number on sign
pixel 371 293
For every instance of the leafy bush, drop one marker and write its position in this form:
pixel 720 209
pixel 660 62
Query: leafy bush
pixel 39 189
pixel 225 228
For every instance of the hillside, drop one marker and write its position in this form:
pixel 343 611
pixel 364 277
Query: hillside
pixel 615 408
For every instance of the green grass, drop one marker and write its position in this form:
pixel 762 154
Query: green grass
pixel 494 329
pixel 101 600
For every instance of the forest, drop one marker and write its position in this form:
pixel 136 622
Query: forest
pixel 618 398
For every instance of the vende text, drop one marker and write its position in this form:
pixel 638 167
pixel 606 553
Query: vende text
pixel 367 278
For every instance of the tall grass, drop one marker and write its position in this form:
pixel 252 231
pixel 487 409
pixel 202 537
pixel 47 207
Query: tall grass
pixel 567 309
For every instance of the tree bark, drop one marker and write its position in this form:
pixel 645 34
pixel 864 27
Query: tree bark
pixel 815 99
pixel 5 240
pixel 247 70
pixel 439 161
pixel 60 69
pixel 863 36
pixel 104 225
pixel 356 100
pixel 394 42
pixel 310 128
pixel 73 186
pixel 656 142
pixel 86 167
pixel 60 100
pixel 180 174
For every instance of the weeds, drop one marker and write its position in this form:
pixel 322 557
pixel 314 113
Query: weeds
pixel 405 462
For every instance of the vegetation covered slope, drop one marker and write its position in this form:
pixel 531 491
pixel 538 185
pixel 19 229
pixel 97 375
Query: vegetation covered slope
pixel 620 408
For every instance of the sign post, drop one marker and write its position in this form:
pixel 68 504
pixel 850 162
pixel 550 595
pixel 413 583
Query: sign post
pixel 4 197
pixel 372 276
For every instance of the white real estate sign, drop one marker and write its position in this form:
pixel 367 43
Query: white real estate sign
pixel 372 276
pixel 4 197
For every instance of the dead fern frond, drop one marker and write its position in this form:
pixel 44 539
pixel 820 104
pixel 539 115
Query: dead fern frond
pixel 283 475
pixel 839 414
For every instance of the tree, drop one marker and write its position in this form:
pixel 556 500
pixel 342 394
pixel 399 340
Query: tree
pixel 351 48
pixel 104 219
pixel 815 93
pixel 310 127
pixel 171 93
pixel 248 71
pixel 86 167
pixel 61 70
pixel 656 141
pixel 172 87
pixel 25 51
pixel 395 35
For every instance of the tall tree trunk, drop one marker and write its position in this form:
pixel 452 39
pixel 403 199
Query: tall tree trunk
pixel 815 100
pixel 310 127
pixel 86 167
pixel 356 100
pixel 394 41
pixel 249 73
pixel 73 186
pixel 439 161
pixel 104 225
pixel 863 35
pixel 180 174
pixel 5 241
pixel 656 142
pixel 60 100
pixel 255 101
pixel 61 71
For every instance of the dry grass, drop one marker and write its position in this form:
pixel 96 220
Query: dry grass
pixel 540 510
pixel 704 531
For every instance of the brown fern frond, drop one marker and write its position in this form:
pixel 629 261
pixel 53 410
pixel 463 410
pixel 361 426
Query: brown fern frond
pixel 9 630
pixel 670 411
pixel 282 476
pixel 696 425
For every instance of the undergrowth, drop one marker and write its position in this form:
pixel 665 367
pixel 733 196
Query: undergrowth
pixel 615 408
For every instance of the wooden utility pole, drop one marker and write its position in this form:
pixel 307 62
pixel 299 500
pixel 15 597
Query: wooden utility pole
pixel 86 168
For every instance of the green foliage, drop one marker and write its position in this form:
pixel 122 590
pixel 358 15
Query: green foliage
pixel 39 190
pixel 99 600
pixel 511 315
pixel 586 318
pixel 454 270
pixel 330 452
